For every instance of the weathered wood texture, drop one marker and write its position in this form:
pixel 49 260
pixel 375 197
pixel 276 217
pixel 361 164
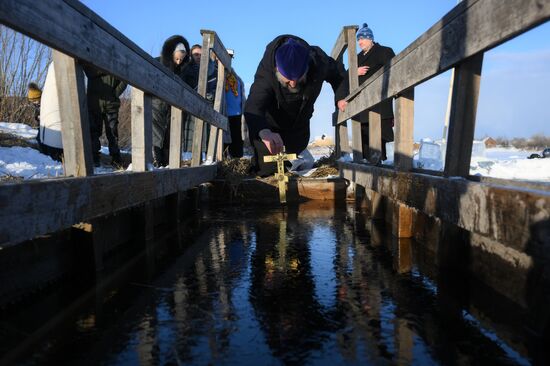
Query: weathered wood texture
pixel 357 147
pixel 341 130
pixel 214 142
pixel 462 123
pixel 375 136
pixel 198 126
pixel 177 118
pixel 470 28
pixel 47 206
pixel 404 131
pixel 506 214
pixel 75 131
pixel 142 130
pixel 75 30
pixel 218 48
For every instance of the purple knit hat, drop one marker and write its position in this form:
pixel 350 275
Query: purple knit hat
pixel 291 59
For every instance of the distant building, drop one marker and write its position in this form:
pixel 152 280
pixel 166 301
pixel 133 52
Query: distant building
pixel 489 142
pixel 321 141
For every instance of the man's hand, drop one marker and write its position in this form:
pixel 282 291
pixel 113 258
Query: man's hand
pixel 342 105
pixel 362 70
pixel 272 141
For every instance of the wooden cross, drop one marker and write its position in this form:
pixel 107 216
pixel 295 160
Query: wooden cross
pixel 280 175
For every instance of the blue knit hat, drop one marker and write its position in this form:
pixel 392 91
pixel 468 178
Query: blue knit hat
pixel 365 32
pixel 291 59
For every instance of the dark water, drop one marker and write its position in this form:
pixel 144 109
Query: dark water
pixel 272 286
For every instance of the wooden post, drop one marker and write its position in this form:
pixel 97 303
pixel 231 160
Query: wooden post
pixel 201 89
pixel 404 131
pixel 463 116
pixel 402 220
pixel 340 135
pixel 73 110
pixel 218 100
pixel 375 136
pixel 357 147
pixel 219 150
pixel 142 130
pixel 177 119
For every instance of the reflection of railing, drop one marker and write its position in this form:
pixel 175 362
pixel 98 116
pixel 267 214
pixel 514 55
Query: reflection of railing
pixel 78 36
pixel 458 40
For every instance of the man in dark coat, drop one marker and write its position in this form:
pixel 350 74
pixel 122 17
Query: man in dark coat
pixel 104 93
pixel 280 104
pixel 175 56
pixel 371 58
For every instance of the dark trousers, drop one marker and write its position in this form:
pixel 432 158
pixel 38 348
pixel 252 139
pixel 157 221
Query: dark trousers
pixel 365 140
pixel 98 119
pixel 236 146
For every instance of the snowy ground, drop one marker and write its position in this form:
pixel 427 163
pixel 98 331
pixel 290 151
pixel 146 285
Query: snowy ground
pixel 506 163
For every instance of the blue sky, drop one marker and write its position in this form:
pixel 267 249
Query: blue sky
pixel 515 78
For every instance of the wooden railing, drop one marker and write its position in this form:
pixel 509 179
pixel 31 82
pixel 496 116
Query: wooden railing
pixel 457 41
pixel 79 36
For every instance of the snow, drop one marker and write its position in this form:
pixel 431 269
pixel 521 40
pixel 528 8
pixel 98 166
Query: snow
pixel 28 163
pixel 19 129
pixel 505 163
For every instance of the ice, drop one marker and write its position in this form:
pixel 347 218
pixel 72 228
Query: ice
pixel 429 156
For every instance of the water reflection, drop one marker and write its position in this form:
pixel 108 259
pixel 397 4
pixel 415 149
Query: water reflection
pixel 293 286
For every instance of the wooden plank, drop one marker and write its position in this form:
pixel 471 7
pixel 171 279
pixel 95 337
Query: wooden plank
pixel 218 101
pixel 342 42
pixel 463 116
pixel 341 138
pixel 375 136
pixel 219 148
pixel 84 38
pixel 51 205
pixel 73 110
pixel 196 148
pixel 340 46
pixel 508 215
pixel 404 131
pixel 177 119
pixel 476 26
pixel 142 130
pixel 402 221
pixel 219 49
pixel 356 143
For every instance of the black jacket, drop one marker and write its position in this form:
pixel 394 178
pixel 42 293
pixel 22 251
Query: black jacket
pixel 375 58
pixel 104 90
pixel 269 106
pixel 161 109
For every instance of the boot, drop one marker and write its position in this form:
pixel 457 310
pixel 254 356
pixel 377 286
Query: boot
pixel 158 157
pixel 97 160
pixel 116 161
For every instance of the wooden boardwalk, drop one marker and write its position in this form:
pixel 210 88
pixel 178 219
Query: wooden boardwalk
pixel 78 36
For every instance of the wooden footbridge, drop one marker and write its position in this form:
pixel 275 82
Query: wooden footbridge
pixel 506 224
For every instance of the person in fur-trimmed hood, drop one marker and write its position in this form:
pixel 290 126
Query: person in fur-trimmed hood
pixel 280 103
pixel 175 56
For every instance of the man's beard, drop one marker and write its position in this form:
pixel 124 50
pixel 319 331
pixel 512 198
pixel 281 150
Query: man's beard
pixel 298 86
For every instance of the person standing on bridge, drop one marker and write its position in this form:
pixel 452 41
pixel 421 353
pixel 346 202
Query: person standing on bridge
pixel 280 103
pixel 369 60
pixel 234 101
pixel 103 94
pixel 175 56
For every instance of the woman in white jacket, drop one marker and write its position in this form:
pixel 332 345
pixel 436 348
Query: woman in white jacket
pixel 49 134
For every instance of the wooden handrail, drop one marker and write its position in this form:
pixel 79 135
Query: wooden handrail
pixel 471 27
pixel 70 27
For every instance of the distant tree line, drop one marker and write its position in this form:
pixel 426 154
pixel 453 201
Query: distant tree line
pixel 22 60
pixel 536 142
